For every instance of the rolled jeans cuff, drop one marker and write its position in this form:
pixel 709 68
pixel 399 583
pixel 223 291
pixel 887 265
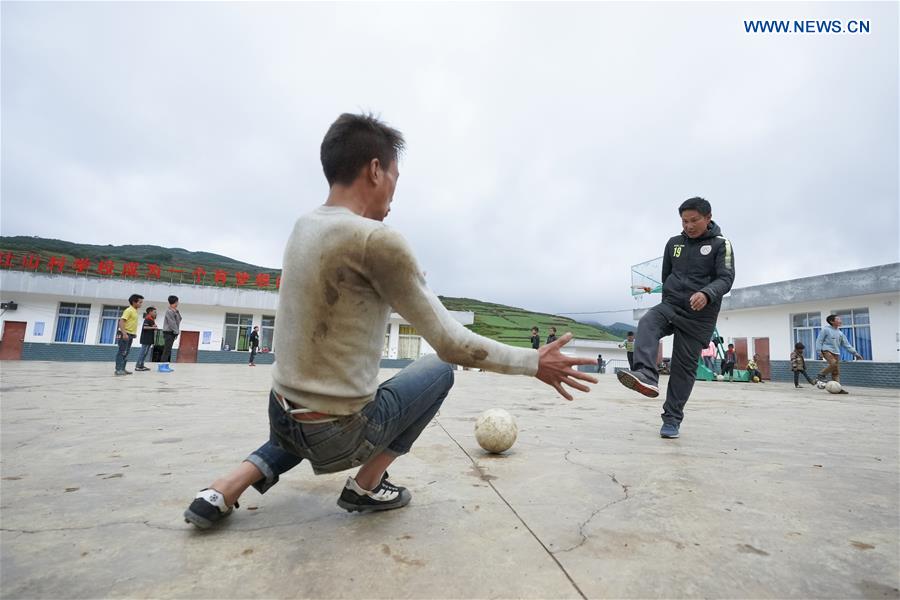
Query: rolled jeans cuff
pixel 269 479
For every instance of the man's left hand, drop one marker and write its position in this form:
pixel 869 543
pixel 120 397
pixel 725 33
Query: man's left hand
pixel 699 301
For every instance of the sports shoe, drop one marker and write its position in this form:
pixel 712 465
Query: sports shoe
pixel 633 382
pixel 165 368
pixel 128 372
pixel 385 496
pixel 669 431
pixel 141 368
pixel 120 373
pixel 207 508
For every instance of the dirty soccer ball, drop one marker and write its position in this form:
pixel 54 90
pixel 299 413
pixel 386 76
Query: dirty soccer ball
pixel 820 385
pixel 496 430
pixel 755 379
pixel 720 378
pixel 833 387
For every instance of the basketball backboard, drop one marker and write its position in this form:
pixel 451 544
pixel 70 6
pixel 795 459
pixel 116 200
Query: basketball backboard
pixel 646 277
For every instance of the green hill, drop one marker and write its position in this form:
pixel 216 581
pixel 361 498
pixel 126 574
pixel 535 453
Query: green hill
pixel 512 325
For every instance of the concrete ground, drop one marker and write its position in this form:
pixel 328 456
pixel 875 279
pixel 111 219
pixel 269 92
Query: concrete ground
pixel 771 492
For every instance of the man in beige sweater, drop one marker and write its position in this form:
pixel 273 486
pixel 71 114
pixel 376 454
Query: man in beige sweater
pixel 343 273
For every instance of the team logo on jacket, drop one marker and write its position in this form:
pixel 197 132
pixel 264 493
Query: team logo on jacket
pixel 704 250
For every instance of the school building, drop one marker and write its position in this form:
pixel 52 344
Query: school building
pixel 47 316
pixel 769 319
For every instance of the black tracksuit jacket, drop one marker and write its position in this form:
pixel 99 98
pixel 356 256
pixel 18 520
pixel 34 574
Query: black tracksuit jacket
pixel 704 264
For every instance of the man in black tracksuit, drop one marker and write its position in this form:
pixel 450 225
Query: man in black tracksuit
pixel 697 271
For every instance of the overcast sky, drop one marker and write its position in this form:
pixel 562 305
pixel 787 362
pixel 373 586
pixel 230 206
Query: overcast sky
pixel 549 145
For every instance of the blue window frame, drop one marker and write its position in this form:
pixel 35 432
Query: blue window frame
pixel 806 328
pixel 109 323
pixel 71 322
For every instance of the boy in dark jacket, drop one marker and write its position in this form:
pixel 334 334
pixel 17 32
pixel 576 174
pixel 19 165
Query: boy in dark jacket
pixel 148 333
pixel 697 271
pixel 798 365
pixel 728 362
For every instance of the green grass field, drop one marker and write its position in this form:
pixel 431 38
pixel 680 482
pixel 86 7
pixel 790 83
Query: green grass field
pixel 512 325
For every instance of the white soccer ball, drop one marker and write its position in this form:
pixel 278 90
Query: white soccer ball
pixel 720 378
pixel 820 385
pixel 496 430
pixel 833 387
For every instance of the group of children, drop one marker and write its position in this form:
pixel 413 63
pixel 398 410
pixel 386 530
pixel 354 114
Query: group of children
pixel 798 365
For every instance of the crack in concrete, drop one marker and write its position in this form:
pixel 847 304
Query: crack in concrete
pixel 183 528
pixel 517 515
pixel 82 528
pixel 586 522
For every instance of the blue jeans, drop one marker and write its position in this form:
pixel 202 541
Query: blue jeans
pixel 145 351
pixel 402 408
pixel 122 352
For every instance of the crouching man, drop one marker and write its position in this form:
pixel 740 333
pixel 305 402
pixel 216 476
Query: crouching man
pixel 343 272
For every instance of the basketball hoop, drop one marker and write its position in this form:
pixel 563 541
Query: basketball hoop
pixel 638 291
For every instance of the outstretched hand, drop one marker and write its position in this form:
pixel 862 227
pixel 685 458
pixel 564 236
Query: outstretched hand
pixel 555 368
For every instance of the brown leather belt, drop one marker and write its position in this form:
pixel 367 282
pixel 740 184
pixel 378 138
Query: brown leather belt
pixel 301 413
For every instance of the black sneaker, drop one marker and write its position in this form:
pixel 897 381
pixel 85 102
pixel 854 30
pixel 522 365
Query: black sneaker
pixel 207 508
pixel 385 496
pixel 633 382
pixel 141 368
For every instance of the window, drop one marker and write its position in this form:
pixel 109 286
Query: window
pixel 806 327
pixel 109 322
pixel 71 322
pixel 267 332
pixel 855 325
pixel 386 351
pixel 237 331
pixel 409 342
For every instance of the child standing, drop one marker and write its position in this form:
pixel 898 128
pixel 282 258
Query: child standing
pixel 798 365
pixel 148 332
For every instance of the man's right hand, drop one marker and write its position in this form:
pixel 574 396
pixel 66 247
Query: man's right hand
pixel 555 368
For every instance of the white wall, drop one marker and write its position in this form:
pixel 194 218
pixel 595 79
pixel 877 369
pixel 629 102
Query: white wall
pixel 591 348
pixel 774 322
pixel 35 309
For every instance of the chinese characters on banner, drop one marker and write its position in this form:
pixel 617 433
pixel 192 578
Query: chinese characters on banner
pixel 29 261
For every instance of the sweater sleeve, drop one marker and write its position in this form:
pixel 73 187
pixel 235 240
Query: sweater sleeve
pixel 395 275
pixel 846 344
pixel 820 339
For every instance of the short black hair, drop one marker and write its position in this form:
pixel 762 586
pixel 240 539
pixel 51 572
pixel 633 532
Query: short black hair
pixel 830 319
pixel 629 333
pixel 134 298
pixel 173 299
pixel 696 203
pixel 553 328
pixel 149 310
pixel 352 142
pixel 535 328
pixel 731 345
pixel 799 346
